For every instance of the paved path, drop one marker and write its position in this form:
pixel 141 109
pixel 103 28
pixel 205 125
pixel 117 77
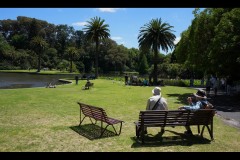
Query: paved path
pixel 228 107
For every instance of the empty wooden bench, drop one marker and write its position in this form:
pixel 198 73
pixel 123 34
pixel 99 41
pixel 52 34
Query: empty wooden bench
pixel 171 118
pixel 98 114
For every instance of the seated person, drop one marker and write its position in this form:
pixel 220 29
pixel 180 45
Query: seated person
pixel 88 84
pixel 196 102
pixel 156 102
pixel 145 82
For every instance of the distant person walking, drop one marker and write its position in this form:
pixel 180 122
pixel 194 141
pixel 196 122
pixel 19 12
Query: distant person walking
pixel 215 86
pixel 76 78
pixel 126 79
pixel 208 86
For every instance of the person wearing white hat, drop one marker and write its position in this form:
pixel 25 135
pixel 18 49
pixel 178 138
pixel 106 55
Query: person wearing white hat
pixel 156 102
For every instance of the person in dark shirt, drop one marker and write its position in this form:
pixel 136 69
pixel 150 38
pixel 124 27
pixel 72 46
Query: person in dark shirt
pixel 76 78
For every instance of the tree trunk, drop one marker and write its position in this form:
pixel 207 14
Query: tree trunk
pixel 155 72
pixel 39 62
pixel 96 60
pixel 71 66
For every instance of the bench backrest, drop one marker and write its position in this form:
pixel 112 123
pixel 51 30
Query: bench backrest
pixel 93 112
pixel 175 117
pixel 202 117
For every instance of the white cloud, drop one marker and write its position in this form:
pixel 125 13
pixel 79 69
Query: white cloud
pixel 116 38
pixel 79 24
pixel 177 40
pixel 122 42
pixel 108 9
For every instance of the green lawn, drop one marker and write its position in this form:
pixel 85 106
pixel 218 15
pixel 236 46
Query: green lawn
pixel 46 119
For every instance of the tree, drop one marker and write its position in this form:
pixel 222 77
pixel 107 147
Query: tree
pixel 72 53
pixel 39 45
pixel 96 30
pixel 143 66
pixel 63 36
pixel 155 35
pixel 226 45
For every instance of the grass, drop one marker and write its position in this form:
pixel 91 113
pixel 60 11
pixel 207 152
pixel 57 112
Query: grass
pixel 46 119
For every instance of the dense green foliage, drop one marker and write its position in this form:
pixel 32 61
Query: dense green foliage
pixel 32 43
pixel 211 44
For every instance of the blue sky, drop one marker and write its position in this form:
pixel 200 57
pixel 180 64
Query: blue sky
pixel 124 23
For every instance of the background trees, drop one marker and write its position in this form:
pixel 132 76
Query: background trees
pixel 210 45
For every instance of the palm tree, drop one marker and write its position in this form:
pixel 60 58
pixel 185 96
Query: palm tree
pixel 154 35
pixel 96 31
pixel 72 53
pixel 39 45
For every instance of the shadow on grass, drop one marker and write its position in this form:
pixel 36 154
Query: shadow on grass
pixel 92 131
pixel 182 98
pixel 159 140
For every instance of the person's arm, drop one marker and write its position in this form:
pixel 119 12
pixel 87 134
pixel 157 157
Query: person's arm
pixel 195 106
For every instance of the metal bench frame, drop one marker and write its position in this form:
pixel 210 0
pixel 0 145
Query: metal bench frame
pixel 98 114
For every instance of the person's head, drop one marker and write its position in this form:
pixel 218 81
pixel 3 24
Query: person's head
pixel 201 94
pixel 156 91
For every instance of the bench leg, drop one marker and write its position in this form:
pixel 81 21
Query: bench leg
pixel 92 121
pixel 137 131
pixel 103 130
pixel 198 129
pixel 81 120
pixel 210 132
pixel 142 134
pixel 202 130
pixel 120 129
pixel 212 129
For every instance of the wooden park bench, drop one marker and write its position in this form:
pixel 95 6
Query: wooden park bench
pixel 172 118
pixel 98 114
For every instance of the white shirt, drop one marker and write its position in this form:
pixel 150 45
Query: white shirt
pixel 162 103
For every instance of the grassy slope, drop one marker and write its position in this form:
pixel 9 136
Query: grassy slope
pixel 39 119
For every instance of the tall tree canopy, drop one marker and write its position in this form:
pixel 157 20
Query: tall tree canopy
pixel 155 35
pixel 96 30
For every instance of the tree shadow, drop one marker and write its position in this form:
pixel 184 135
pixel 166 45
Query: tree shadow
pixel 92 131
pixel 226 103
pixel 182 98
pixel 158 140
